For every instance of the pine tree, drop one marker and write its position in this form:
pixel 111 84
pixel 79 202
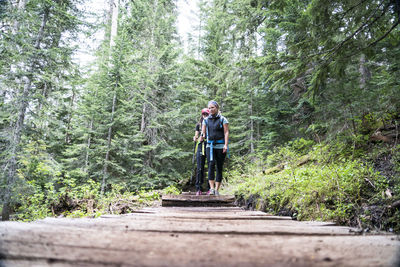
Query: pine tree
pixel 141 71
pixel 35 48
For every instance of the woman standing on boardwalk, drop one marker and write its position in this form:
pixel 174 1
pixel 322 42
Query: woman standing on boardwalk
pixel 215 128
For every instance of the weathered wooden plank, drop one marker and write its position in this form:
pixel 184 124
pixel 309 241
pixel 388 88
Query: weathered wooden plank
pixel 187 237
pixel 188 200
pixel 201 198
pixel 203 195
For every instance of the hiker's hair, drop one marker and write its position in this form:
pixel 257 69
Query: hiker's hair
pixel 201 120
pixel 214 103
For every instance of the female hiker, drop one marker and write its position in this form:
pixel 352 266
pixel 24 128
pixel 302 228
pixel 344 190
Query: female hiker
pixel 200 153
pixel 215 128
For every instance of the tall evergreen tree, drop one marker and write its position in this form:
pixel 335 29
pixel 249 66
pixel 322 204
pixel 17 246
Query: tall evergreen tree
pixel 35 38
pixel 141 71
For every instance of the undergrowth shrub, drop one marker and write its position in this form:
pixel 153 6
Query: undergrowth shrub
pixel 328 185
pixel 44 188
pixel 72 200
pixel 171 190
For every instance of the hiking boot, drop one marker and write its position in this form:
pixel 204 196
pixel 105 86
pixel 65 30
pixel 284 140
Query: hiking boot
pixel 216 192
pixel 198 193
pixel 211 192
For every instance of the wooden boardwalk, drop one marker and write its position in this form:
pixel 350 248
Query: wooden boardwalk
pixel 191 236
pixel 191 200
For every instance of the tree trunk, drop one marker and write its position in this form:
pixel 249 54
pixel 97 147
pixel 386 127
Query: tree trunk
pixel 365 74
pixel 107 158
pixel 114 22
pixel 252 52
pixel 71 105
pixel 89 140
pixel 148 110
pixel 20 8
pixel 199 38
pixel 150 69
pixel 143 123
pixel 114 28
pixel 251 125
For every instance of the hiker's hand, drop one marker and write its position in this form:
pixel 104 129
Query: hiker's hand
pixel 194 138
pixel 225 149
pixel 201 139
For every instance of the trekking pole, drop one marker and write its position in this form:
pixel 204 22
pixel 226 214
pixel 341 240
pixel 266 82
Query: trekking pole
pixel 193 162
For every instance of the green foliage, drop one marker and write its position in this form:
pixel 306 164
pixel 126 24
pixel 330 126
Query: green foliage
pixel 125 130
pixel 328 186
pixel 305 85
pixel 37 165
pixel 36 204
pixel 301 146
pixel 171 190
pixel 148 197
pixel 66 198
pixel 396 159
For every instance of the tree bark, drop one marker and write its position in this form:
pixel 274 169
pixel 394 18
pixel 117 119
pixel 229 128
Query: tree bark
pixel 114 28
pixel 365 75
pixel 143 123
pixel 114 22
pixel 251 125
pixel 20 7
pixel 89 140
pixel 109 139
pixel 252 50
pixel 150 70
pixel 71 105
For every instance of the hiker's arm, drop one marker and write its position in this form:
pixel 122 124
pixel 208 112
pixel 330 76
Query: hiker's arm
pixel 226 137
pixel 196 136
pixel 203 132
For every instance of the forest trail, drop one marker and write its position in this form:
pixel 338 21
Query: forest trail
pixel 191 236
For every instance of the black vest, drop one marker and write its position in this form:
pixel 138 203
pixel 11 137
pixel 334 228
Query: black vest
pixel 215 129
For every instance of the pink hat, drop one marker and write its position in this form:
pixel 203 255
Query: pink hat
pixel 205 110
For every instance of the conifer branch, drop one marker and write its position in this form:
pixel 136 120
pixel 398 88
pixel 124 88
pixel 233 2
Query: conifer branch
pixel 351 8
pixel 344 13
pixel 367 23
pixel 335 49
pixel 383 36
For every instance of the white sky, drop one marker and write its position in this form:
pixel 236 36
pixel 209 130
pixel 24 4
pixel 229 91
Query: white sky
pixel 187 21
pixel 85 53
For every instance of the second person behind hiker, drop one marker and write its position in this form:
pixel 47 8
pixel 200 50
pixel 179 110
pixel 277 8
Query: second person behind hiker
pixel 215 127
pixel 200 153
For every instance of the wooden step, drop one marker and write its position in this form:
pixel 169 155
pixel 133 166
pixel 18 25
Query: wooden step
pixel 187 199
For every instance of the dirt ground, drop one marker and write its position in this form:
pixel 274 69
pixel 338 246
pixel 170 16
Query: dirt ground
pixel 192 236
